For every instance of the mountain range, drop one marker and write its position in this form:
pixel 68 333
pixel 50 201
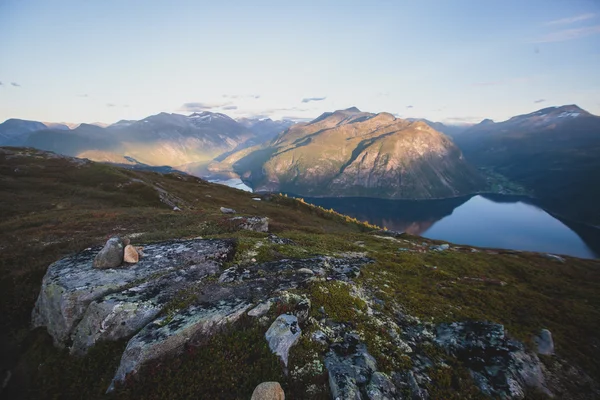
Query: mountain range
pixel 552 153
pixel 162 139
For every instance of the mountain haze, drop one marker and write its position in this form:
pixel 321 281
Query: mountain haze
pixel 162 139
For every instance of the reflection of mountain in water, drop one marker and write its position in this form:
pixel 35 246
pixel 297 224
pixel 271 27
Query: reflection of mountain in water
pixel 414 217
pixel 511 222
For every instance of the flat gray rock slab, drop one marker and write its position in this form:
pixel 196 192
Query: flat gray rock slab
pixel 283 333
pixel 71 284
pixel 81 305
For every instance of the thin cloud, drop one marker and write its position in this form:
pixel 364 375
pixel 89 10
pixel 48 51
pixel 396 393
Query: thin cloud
pixel 199 106
pixel 15 84
pixel 297 118
pixel 0 83
pixel 410 107
pixel 241 96
pixel 230 108
pixel 110 105
pixel 568 34
pixel 571 20
pixel 540 101
pixel 83 95
pixel 461 120
pixel 309 99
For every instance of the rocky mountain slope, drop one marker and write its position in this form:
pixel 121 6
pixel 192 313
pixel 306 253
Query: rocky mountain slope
pixel 13 132
pixel 162 139
pixel 279 291
pixel 552 151
pixel 354 153
pixel 265 129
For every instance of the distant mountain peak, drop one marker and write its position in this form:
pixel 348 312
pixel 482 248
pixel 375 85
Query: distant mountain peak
pixel 487 121
pixel 352 109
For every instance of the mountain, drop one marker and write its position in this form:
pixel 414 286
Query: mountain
pixel 354 153
pixel 552 151
pixel 162 139
pixel 14 132
pixel 446 129
pixel 60 125
pixel 265 129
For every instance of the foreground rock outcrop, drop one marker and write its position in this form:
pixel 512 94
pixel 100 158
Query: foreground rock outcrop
pixel 80 305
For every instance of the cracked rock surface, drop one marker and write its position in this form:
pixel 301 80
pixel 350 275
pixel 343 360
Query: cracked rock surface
pixel 80 305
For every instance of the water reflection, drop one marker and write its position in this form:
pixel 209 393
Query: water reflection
pixel 488 221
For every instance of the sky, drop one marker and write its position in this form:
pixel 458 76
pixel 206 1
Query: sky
pixel 453 61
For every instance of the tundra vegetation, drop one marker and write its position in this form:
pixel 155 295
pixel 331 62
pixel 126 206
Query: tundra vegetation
pixel 53 206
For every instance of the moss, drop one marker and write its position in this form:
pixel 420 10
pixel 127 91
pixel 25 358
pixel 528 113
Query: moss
pixel 452 382
pixel 337 301
pixel 227 365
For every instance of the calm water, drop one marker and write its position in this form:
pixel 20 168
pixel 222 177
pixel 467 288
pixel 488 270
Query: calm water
pixel 234 183
pixel 488 221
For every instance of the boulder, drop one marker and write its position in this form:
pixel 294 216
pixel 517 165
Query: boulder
pixel 500 367
pixel 256 224
pixel 545 344
pixel 131 255
pixel 72 284
pixel 167 335
pixel 268 391
pixel 440 247
pixel 283 333
pixel 279 240
pixel 111 255
pixel 353 371
pixel 261 309
pixel 226 210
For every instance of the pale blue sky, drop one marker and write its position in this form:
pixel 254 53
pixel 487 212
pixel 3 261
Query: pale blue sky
pixel 105 60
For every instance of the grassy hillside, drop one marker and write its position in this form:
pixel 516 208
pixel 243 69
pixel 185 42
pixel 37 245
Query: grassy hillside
pixel 52 206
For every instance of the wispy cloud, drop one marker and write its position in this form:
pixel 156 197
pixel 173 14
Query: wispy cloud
pixel 539 101
pixel 241 96
pixel 568 34
pixel 309 99
pixel 15 84
pixel 230 108
pixel 410 107
pixel 297 118
pixel 110 105
pixel 571 20
pixel 0 83
pixel 200 106
pixel 268 113
pixel 461 120
pixel 83 95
